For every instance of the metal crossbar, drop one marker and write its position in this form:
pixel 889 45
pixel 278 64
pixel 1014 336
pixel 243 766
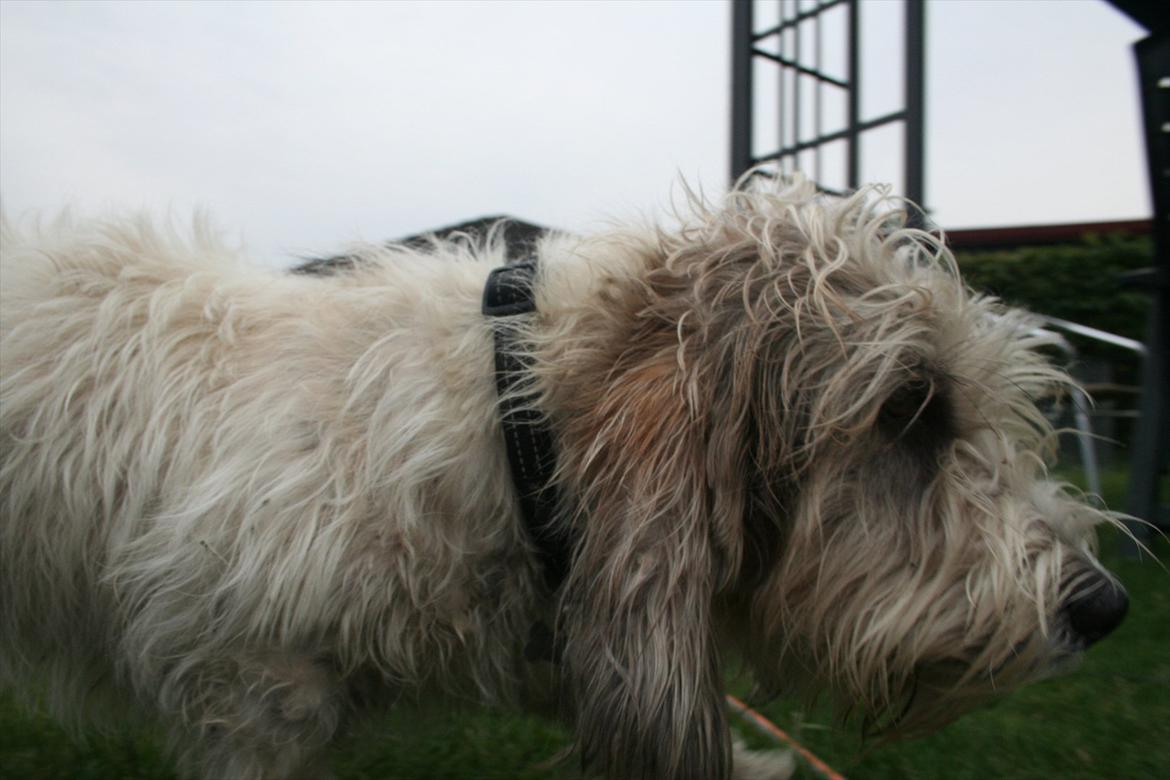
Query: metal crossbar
pixel 800 69
pixel 796 20
pixel 821 140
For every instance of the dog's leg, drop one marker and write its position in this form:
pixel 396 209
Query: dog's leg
pixel 256 717
pixel 749 764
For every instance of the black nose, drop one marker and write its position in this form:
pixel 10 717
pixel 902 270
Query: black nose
pixel 1097 609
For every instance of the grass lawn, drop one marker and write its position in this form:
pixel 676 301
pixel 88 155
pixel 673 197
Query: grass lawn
pixel 1109 719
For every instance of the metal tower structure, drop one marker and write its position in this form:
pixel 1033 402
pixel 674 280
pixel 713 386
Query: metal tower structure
pixel 794 46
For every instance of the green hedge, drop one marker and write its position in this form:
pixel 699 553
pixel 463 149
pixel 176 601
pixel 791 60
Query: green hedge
pixel 1078 282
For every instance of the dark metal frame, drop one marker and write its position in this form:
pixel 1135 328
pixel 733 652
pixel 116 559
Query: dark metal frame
pixel 1151 446
pixel 745 52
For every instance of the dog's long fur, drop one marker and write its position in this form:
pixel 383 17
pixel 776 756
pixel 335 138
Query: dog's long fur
pixel 243 501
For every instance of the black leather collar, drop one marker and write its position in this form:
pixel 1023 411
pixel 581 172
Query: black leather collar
pixel 507 297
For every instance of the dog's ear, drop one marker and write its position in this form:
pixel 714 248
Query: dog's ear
pixel 641 657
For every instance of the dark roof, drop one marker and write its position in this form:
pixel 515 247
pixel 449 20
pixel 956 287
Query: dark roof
pixel 520 238
pixel 1040 235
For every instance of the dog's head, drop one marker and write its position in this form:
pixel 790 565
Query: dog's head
pixel 797 432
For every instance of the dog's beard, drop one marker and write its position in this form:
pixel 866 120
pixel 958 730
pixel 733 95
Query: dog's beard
pixel 907 628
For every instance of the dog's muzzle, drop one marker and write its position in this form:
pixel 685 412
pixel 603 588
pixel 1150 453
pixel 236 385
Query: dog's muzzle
pixel 1096 608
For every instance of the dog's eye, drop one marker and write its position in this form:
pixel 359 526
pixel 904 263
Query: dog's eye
pixel 919 416
pixel 906 403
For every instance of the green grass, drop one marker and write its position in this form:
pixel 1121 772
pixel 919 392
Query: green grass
pixel 1108 719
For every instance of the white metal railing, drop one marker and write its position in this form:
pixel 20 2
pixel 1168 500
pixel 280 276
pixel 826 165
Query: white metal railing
pixel 1080 400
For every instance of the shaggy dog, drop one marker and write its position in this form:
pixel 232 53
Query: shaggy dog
pixel 253 505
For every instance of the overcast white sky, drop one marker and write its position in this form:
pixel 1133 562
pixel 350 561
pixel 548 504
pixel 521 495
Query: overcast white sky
pixel 302 126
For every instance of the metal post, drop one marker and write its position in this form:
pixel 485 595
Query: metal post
pixel 796 75
pixel 854 143
pixel 915 102
pixel 781 101
pixel 818 125
pixel 1149 457
pixel 741 87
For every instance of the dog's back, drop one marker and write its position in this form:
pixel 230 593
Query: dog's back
pixel 212 472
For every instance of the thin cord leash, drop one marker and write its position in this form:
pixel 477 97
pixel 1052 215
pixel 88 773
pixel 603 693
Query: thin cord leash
pixel 766 726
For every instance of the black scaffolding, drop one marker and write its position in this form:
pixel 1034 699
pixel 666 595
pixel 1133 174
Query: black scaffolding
pixel 1147 499
pixel 780 45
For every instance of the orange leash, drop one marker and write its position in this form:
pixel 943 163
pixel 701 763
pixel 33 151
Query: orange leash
pixel 767 726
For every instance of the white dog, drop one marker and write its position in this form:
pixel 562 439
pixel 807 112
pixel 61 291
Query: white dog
pixel 252 505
